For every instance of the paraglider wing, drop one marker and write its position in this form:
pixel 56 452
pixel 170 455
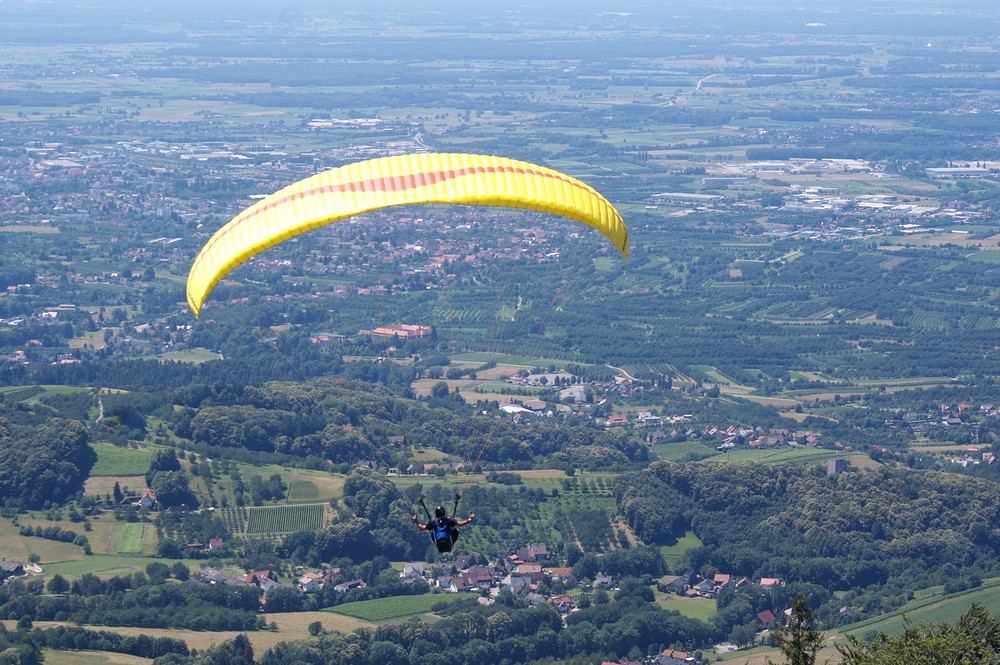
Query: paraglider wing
pixel 391 181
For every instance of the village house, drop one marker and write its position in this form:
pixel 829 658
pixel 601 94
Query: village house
pixel 563 603
pixel 602 580
pixel 647 418
pixel 481 576
pixel 532 571
pixel 705 589
pixel 559 574
pixel 11 568
pixel 534 599
pixel 676 585
pixel 413 571
pixel 673 657
pixel 147 501
pixel 310 582
pixel 516 584
pixel 461 562
pixel 766 617
pixel 459 585
pixel 264 579
pixel 237 582
pixel 344 587
pixel 212 576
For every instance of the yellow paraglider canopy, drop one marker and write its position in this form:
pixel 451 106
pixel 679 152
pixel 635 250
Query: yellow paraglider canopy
pixel 392 181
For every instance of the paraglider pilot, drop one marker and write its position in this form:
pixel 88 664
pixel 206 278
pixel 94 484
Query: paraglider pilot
pixel 444 529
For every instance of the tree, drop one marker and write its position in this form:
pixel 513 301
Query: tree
pixel 284 599
pixel 744 635
pixel 157 572
pixel 799 641
pixel 237 651
pixel 57 584
pixel 315 628
pixel 180 571
pixel 169 549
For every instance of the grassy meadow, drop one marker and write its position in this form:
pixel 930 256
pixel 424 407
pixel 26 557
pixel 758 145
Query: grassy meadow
pixel 117 461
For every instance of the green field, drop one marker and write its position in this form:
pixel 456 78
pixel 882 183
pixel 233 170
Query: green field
pixel 325 485
pixel 795 454
pixel 987 255
pixel 104 565
pixel 505 359
pixel 382 609
pixel 673 554
pixel 130 540
pixel 934 608
pixel 702 609
pixel 302 490
pixel 683 450
pixel 285 519
pixel 115 461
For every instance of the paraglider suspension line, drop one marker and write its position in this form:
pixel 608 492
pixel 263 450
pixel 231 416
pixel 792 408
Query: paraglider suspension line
pixel 429 518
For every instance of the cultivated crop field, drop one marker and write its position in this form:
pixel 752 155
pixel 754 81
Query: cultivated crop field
pixel 382 609
pixel 682 450
pixel 234 519
pixel 285 519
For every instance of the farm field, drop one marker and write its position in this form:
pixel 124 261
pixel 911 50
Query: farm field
pixel 102 486
pixel 382 609
pixel 106 565
pixel 267 520
pixel 15 547
pixel 54 657
pixel 109 536
pixel 683 449
pixel 934 608
pixel 291 626
pixel 305 485
pixel 796 454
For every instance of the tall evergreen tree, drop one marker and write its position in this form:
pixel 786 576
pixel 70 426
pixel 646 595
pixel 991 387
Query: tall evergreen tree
pixel 800 640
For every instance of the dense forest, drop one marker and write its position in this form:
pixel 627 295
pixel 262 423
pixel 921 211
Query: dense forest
pixel 44 461
pixel 878 535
